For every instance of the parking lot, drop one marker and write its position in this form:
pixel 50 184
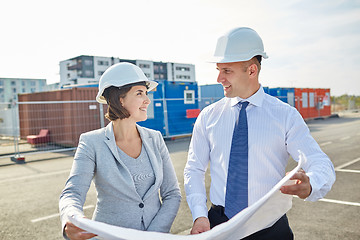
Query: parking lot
pixel 30 191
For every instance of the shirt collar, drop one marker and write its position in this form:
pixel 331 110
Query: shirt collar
pixel 255 99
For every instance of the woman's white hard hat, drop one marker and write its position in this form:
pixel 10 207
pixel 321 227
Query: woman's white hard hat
pixel 238 45
pixel 121 74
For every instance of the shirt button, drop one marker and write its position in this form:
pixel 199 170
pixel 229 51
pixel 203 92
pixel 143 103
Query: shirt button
pixel 141 205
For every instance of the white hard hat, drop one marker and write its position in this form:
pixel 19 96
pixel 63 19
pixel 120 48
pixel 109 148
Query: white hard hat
pixel 121 74
pixel 239 44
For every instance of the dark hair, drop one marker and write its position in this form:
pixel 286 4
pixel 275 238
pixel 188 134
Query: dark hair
pixel 112 95
pixel 258 57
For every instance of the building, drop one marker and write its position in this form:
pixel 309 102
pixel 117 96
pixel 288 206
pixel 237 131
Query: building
pixel 88 69
pixel 10 87
pixel 9 90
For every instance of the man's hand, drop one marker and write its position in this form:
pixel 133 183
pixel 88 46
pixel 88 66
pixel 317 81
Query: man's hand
pixel 201 224
pixel 301 188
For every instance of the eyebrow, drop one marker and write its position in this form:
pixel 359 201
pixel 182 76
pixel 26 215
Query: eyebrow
pixel 224 68
pixel 140 90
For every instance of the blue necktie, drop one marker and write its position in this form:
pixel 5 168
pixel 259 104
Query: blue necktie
pixel 236 198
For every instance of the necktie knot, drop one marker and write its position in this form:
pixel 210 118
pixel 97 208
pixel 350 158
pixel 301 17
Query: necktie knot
pixel 243 104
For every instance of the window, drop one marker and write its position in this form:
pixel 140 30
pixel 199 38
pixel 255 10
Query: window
pixel 189 97
pixel 150 109
pixel 141 65
pixel 326 100
pixel 88 73
pixel 304 100
pixel 103 63
pixel 182 77
pixel 183 69
pixel 23 83
pixel 291 99
pixel 147 75
pixel 311 99
pixel 13 83
pixel 100 73
pixel 32 83
pixel 88 62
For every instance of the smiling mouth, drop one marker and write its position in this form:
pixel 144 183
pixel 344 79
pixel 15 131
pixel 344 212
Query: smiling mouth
pixel 143 109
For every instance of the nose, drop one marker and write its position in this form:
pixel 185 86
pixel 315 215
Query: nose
pixel 220 78
pixel 147 100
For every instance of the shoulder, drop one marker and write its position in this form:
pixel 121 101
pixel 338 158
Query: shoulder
pixel 216 107
pixel 281 110
pixel 94 134
pixel 273 102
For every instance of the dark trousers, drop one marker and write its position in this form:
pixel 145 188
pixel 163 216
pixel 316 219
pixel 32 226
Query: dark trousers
pixel 279 231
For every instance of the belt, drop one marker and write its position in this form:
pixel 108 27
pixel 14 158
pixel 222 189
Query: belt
pixel 218 208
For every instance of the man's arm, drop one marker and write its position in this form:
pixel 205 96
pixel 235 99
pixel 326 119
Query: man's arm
pixel 194 174
pixel 319 175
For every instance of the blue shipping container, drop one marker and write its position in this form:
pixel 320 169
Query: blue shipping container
pixel 286 95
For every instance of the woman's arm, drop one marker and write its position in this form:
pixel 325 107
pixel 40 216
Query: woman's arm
pixel 169 192
pixel 73 196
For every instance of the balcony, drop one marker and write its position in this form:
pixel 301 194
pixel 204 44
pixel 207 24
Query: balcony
pixel 77 66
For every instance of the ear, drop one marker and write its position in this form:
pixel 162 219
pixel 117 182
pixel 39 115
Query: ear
pixel 121 101
pixel 253 70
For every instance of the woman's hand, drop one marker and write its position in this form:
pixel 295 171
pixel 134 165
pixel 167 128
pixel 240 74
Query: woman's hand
pixel 75 233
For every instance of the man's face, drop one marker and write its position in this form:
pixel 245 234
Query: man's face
pixel 234 78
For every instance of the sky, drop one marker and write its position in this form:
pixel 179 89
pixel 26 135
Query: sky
pixel 310 44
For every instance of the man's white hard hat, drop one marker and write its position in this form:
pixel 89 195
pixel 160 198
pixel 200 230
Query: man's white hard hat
pixel 121 74
pixel 237 45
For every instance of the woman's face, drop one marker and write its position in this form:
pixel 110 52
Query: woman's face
pixel 136 103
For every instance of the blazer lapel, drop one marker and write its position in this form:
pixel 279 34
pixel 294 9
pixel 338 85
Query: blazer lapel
pixel 154 157
pixel 111 143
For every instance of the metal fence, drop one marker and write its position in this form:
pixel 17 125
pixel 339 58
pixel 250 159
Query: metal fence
pixel 21 125
pixel 65 121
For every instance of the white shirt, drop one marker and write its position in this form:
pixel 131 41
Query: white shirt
pixel 275 130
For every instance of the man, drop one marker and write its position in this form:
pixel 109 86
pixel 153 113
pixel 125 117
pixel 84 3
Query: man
pixel 263 134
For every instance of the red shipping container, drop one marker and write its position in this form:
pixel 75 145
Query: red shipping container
pixel 65 121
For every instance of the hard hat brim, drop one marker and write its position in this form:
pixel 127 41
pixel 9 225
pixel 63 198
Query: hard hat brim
pixel 100 98
pixel 230 59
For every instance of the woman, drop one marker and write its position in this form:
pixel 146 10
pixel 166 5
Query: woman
pixel 129 164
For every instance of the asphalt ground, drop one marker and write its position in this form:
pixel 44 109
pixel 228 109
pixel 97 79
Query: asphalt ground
pixel 30 191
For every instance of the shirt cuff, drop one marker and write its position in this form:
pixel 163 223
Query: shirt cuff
pixel 199 211
pixel 314 195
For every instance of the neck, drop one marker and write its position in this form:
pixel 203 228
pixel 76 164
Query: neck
pixel 250 91
pixel 124 130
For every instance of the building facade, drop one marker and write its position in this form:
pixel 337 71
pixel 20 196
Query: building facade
pixel 11 87
pixel 86 69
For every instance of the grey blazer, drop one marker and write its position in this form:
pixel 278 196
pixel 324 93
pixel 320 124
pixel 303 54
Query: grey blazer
pixel 118 203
